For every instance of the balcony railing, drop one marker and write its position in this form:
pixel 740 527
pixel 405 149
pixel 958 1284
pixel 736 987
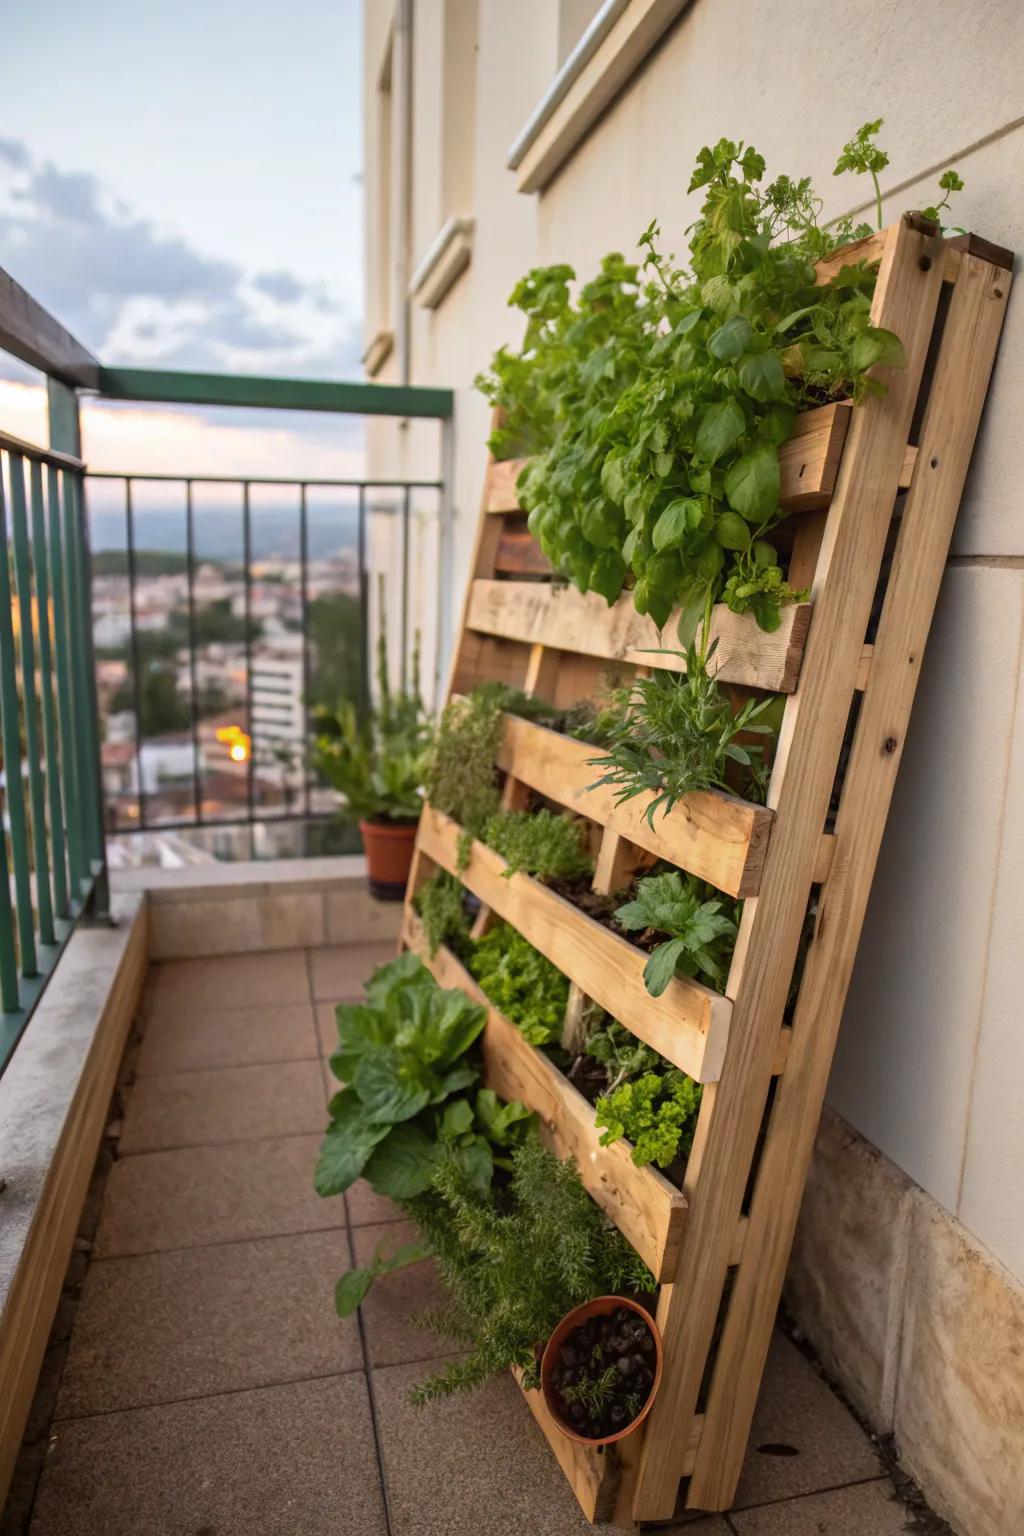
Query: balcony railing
pixel 52 854
pixel 75 770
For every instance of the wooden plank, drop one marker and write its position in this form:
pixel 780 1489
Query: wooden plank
pixel 808 464
pixel 563 617
pixel 34 1292
pixel 950 423
pixel 717 837
pixel 30 332
pixel 905 301
pixel 591 1472
pixel 688 1024
pixel 519 554
pixel 500 494
pixel 646 1208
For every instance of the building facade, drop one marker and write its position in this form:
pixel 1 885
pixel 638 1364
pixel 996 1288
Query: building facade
pixel 909 1264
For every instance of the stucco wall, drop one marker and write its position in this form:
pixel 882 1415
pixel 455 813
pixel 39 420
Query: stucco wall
pixel 931 1061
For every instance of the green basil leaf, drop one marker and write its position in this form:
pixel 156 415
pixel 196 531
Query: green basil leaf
pixel 731 340
pixel 675 523
pixel 752 483
pixel 875 345
pixel 720 427
pixel 607 574
pixel 761 375
pixel 731 531
pixel 661 967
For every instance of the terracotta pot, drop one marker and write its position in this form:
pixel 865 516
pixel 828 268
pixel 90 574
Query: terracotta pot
pixel 388 846
pixel 599 1307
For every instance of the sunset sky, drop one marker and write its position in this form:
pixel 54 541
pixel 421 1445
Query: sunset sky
pixel 181 186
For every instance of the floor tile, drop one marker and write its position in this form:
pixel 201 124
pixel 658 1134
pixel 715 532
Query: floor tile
pixel 194 1196
pixel 392 1338
pixel 473 1465
pixel 182 1109
pixel 205 1320
pixel 232 981
pixel 870 1509
pixel 365 1207
pixel 326 1027
pixel 183 1039
pixel 341 970
pixel 798 1411
pixel 294 1460
pixel 331 1084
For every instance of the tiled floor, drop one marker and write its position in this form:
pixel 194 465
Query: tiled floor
pixel 211 1390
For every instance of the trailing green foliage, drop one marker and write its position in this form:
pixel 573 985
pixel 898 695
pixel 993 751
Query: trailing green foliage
pixel 656 1112
pixel 521 983
pixel 403 1058
pixel 441 905
pixel 514 1262
pixel 461 777
pixel 377 759
pixel 676 733
pixel 701 933
pixel 542 843
pixel 655 402
pixel 864 157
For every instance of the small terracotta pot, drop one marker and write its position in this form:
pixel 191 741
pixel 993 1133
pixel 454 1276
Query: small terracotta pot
pixel 388 846
pixel 599 1307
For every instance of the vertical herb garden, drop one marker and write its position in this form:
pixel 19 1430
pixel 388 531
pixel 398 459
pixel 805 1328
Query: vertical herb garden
pixel 716 512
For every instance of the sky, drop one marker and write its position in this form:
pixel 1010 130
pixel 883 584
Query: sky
pixel 181 185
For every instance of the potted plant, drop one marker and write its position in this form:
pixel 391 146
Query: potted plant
pixel 601 1369
pixel 376 759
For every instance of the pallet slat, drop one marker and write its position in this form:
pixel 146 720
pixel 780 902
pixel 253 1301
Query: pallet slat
pixel 688 1024
pixel 647 1209
pixel 717 837
pixel 563 617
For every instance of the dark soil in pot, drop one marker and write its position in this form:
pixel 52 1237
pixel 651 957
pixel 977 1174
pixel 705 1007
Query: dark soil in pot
pixel 604 1374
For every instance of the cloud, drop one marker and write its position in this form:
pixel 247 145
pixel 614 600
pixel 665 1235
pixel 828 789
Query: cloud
pixel 140 296
pixel 282 286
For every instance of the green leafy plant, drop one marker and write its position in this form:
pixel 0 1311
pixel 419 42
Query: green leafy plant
pixel 377 759
pixel 402 1055
pixel 676 734
pixel 701 933
pixel 616 1048
pixel 656 402
pixel 864 157
pixel 514 1262
pixel 656 1112
pixel 542 843
pixel 521 983
pixel 441 906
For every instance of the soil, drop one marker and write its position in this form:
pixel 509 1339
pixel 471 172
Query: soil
pixel 604 1373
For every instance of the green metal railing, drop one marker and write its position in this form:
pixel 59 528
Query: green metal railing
pixel 51 851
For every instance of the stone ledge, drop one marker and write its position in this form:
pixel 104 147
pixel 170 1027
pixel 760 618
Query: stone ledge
pixel 53 1105
pixel 918 1323
pixel 237 909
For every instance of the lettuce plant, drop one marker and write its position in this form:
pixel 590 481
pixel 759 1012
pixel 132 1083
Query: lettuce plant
pixel 403 1059
pixel 656 1112
pixel 521 983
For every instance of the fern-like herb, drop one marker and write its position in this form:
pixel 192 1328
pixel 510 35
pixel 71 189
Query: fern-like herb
pixel 461 778
pixel 676 734
pixel 541 843
pixel 514 1264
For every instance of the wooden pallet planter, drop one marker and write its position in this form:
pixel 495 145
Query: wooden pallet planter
pixel 721 1244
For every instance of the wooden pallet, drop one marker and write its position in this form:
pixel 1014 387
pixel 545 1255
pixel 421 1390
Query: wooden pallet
pixel 847 661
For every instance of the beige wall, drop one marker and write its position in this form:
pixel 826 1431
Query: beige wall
pixel 931 1062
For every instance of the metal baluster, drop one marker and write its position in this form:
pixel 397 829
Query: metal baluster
pixel 101 884
pixel 250 783
pixel 79 680
pixel 129 524
pixel 364 608
pixel 67 754
pixel 12 763
pixel 304 590
pixel 190 546
pixel 405 589
pixel 50 739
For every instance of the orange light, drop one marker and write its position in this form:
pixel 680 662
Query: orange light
pixel 238 743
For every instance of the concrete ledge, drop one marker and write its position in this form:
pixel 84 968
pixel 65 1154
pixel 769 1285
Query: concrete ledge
pixel 237 909
pixel 53 1106
pixel 919 1323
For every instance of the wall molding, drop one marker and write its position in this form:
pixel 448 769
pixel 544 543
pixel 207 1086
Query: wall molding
pixel 445 260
